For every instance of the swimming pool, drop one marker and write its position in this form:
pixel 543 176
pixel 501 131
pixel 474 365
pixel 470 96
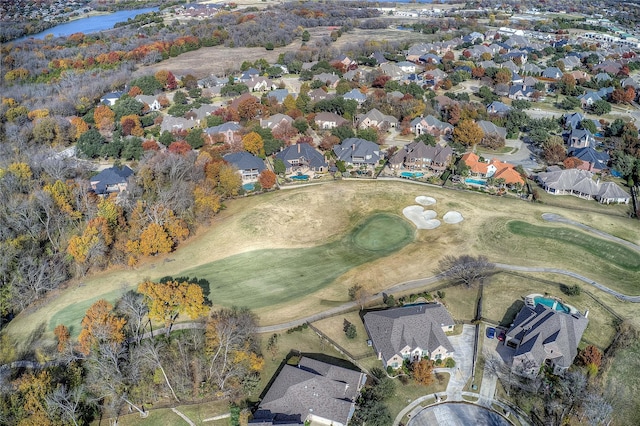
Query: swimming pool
pixel 552 303
pixel 248 187
pixel 300 177
pixel 411 174
pixel 471 181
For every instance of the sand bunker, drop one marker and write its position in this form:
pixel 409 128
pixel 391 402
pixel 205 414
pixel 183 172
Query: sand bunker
pixel 452 217
pixel 423 219
pixel 425 201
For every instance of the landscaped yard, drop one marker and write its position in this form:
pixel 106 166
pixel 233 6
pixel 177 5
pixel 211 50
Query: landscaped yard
pixel 165 417
pixel 334 328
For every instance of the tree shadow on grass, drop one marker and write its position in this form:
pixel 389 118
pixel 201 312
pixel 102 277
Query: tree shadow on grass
pixel 30 341
pixel 511 313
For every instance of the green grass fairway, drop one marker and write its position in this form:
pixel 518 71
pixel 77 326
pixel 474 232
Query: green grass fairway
pixel 608 251
pixel 262 278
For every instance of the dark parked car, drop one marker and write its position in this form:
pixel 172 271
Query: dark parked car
pixel 501 336
pixel 491 332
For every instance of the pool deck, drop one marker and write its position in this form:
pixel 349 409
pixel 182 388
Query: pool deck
pixel 530 302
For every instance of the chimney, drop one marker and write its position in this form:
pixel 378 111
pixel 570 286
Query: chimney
pixel 586 313
pixel 298 148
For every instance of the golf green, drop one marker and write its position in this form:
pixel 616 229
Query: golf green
pixel 262 278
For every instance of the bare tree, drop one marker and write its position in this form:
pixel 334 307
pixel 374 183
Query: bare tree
pixel 134 308
pixel 465 269
pixel 69 404
pixel 150 351
pixel 596 409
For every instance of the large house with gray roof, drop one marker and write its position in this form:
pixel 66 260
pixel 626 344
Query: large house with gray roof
pixel 302 157
pixel 313 392
pixel 410 333
pixel 358 152
pixel 114 179
pixel 249 166
pixel 419 156
pixel 580 183
pixel 544 336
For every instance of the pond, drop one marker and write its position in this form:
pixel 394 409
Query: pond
pixel 91 24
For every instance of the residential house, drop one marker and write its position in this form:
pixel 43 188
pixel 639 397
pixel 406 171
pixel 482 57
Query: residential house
pixel 630 82
pixel 150 101
pixel 433 77
pixel 495 169
pixel 498 108
pixel 406 67
pixel 580 138
pixel 319 95
pixel 442 102
pixel 212 81
pixel 602 77
pixel 510 66
pixel 313 392
pixel 278 95
pixel 275 120
pixel 572 120
pixel 392 70
pixel 531 69
pixel 431 125
pixel 488 127
pixel 592 160
pixel 516 78
pixel 302 157
pixel 329 120
pixel 358 152
pixel 357 75
pixel 111 98
pixel 541 336
pixel 228 132
pixel 249 74
pixel 377 119
pixel 570 62
pixel 410 333
pixel 430 58
pixel 235 103
pixel 330 80
pixel 608 66
pixel 201 113
pixel 588 99
pixel 259 84
pixel 173 124
pixel 552 72
pixel 419 156
pixel 249 166
pixel 580 183
pixel 580 75
pixel 113 179
pixel 355 95
pixel 520 91
pixel 379 57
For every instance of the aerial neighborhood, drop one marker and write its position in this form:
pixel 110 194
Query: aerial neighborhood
pixel 320 213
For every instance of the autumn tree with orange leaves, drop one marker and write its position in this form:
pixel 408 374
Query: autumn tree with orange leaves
pixel 267 179
pixel 62 335
pixel 169 299
pixel 104 118
pixel 100 325
pixel 422 372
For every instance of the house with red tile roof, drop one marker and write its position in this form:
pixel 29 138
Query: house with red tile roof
pixel 495 169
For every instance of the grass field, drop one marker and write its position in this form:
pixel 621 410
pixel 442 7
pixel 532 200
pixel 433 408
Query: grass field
pixel 309 218
pixel 623 381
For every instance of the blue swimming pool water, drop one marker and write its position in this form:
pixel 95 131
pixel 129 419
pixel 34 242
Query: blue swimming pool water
pixel 248 187
pixel 550 303
pixel 471 181
pixel 411 174
pixel 300 177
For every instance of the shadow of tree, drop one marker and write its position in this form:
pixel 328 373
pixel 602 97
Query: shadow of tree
pixel 511 313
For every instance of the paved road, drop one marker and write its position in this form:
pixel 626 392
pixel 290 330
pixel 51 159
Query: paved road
pixel 460 414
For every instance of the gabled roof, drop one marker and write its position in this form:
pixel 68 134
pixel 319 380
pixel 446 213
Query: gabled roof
pixel 377 116
pixel 278 94
pixel 415 326
pixel 419 150
pixel 498 107
pixel 330 117
pixel 109 177
pixel 223 128
pixel 552 72
pixel 545 333
pixel 244 161
pixel 312 388
pixel 363 151
pixel 590 155
pixel 609 190
pixel 488 127
pixel 570 180
pixel 302 151
pixel 356 95
pixel 273 121
pixel 573 120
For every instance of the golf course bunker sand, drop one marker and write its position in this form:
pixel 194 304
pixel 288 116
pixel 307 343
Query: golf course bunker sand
pixel 425 201
pixel 421 218
pixel 452 217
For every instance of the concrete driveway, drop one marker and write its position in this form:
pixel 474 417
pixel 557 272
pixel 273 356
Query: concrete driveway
pixel 463 356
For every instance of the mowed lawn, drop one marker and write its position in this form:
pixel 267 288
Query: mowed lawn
pixel 280 275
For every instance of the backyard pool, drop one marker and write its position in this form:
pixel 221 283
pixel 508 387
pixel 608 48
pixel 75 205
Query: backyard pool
pixel 479 182
pixel 552 303
pixel 411 174
pixel 300 177
pixel 248 187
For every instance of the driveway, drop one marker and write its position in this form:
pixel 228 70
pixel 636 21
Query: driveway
pixel 463 356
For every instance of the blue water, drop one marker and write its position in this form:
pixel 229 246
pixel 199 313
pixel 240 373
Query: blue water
pixel 475 181
pixel 600 135
pixel 550 302
pixel 90 25
pixel 411 174
pixel 300 177
pixel 248 187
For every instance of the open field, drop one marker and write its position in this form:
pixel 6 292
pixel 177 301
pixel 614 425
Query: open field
pixel 504 293
pixel 623 380
pixel 313 216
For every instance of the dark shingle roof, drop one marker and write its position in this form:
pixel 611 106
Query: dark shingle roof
pixel 111 176
pixel 302 151
pixel 414 326
pixel 313 387
pixel 245 161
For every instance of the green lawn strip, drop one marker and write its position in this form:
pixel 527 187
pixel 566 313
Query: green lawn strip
pixel 622 377
pixel 404 394
pixel 281 275
pixel 72 315
pixel 609 251
pixel 504 293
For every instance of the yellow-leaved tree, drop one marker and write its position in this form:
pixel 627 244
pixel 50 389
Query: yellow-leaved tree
pixel 253 143
pixel 167 300
pixel 100 324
